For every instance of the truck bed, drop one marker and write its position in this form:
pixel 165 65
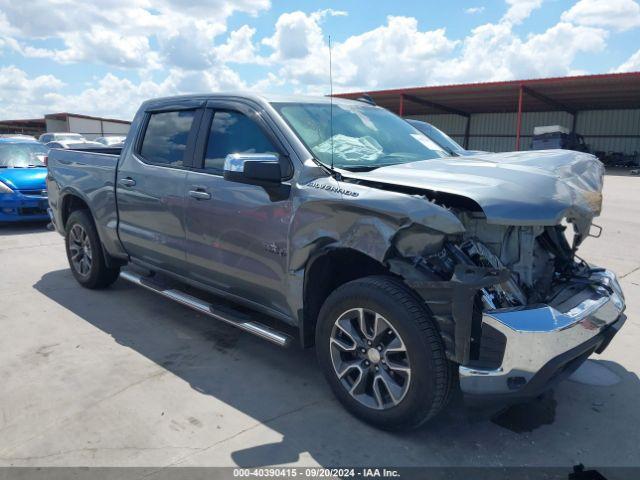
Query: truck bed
pixel 90 175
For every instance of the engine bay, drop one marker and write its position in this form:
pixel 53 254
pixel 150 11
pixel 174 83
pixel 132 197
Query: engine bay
pixel 540 260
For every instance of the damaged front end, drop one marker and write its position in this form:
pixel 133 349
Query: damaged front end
pixel 490 245
pixel 517 309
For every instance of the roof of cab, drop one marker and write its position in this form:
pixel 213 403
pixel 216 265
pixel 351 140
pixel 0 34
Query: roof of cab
pixel 256 97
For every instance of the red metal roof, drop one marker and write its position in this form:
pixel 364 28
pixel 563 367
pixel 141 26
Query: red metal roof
pixel 588 92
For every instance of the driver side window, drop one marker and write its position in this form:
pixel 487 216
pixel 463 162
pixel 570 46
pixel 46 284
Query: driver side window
pixel 233 132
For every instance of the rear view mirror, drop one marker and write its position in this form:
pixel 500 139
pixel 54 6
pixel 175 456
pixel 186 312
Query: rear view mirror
pixel 252 168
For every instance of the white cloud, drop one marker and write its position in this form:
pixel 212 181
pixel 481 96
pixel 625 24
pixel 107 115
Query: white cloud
pixel 400 54
pixel 19 93
pixel 631 65
pixel 121 31
pixel 111 96
pixel 183 46
pixel 473 10
pixel 394 52
pixel 519 10
pixel 239 47
pixel 616 14
pixel 494 52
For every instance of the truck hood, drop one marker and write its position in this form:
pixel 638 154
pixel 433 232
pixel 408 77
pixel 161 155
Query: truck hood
pixel 513 188
pixel 24 178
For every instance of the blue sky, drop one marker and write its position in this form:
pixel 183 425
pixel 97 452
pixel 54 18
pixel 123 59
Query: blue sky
pixel 72 56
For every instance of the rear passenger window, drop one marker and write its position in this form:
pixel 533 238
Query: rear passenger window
pixel 233 132
pixel 165 139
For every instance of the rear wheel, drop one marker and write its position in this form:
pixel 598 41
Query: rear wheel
pixel 382 354
pixel 84 252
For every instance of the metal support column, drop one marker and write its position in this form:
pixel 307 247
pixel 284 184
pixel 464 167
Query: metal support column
pixel 519 122
pixel 467 128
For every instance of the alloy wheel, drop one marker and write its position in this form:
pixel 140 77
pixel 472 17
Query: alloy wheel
pixel 370 358
pixel 80 250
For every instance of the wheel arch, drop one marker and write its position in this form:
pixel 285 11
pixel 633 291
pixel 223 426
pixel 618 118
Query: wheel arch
pixel 326 271
pixel 72 201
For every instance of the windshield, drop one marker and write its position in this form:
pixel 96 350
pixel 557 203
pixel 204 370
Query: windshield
pixel 364 137
pixel 22 155
pixel 438 136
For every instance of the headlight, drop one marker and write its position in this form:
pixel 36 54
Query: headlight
pixel 4 188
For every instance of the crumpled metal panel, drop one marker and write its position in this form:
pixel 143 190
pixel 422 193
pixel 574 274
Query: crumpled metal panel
pixel 329 213
pixel 515 188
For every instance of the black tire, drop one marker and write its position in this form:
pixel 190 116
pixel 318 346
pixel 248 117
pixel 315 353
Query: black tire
pixel 98 274
pixel 431 374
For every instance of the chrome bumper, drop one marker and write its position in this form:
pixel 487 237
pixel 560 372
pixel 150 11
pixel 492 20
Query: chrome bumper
pixel 539 334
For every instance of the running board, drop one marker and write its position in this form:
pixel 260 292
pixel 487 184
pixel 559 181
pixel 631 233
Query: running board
pixel 268 333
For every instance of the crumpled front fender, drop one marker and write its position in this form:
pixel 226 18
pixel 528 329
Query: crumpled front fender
pixel 366 219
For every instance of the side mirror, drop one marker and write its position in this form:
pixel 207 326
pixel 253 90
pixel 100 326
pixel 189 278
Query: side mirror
pixel 252 168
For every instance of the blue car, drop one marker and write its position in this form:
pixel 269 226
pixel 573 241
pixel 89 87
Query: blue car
pixel 23 191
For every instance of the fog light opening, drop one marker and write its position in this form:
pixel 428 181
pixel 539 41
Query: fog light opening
pixel 514 383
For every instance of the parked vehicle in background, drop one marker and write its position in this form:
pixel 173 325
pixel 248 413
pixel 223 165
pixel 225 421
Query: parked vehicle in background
pixel 442 139
pixel 74 144
pixel 61 136
pixel 19 136
pixel 556 136
pixel 337 222
pixel 23 191
pixel 619 159
pixel 111 140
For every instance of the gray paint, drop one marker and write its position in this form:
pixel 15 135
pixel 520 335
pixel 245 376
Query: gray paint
pixel 254 249
pixel 516 188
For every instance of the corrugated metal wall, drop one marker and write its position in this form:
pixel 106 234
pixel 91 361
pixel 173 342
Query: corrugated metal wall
pixel 604 130
pixel 96 127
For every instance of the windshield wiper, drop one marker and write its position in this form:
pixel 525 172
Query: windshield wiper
pixel 361 168
pixel 368 168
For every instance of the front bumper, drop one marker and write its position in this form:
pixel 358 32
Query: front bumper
pixel 544 344
pixel 19 207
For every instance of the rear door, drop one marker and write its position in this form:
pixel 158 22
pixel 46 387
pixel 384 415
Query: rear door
pixel 150 188
pixel 236 234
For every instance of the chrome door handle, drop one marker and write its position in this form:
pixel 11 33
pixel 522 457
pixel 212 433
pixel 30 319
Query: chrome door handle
pixel 199 195
pixel 127 182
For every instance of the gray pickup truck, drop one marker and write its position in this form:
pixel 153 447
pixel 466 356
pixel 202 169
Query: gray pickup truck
pixel 414 274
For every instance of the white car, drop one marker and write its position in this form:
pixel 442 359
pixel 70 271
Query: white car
pixel 74 144
pixel 110 140
pixel 61 136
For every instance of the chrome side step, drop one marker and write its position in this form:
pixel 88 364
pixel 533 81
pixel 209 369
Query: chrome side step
pixel 268 333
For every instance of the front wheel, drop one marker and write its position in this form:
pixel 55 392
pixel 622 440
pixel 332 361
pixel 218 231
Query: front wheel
pixel 84 252
pixel 382 354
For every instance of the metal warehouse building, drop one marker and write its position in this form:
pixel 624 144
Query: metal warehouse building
pixel 500 116
pixel 90 127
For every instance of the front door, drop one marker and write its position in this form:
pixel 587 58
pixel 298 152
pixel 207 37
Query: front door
pixel 150 189
pixel 236 234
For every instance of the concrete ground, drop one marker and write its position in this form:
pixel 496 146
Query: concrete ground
pixel 123 377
